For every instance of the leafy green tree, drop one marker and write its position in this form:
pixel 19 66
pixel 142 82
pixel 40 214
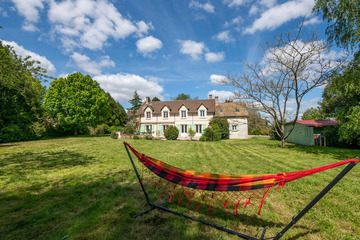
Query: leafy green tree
pixel 314 114
pixel 155 99
pixel 21 93
pixel 343 21
pixel 135 102
pixel 171 133
pixel 191 133
pixel 77 101
pixel 117 116
pixel 212 133
pixel 182 96
pixel 256 124
pixel 223 124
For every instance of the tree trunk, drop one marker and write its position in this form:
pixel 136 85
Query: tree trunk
pixel 283 143
pixel 75 131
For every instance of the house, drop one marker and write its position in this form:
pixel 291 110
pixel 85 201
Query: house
pixel 156 116
pixel 309 132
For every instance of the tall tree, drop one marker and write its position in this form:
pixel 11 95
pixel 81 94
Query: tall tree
pixel 117 116
pixel 182 96
pixel 21 93
pixel 313 114
pixel 155 99
pixel 135 102
pixel 290 68
pixel 76 101
pixel 343 18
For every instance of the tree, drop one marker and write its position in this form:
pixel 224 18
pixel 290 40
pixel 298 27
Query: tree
pixel 21 93
pixel 171 132
pixel 256 124
pixel 290 68
pixel 191 133
pixel 313 114
pixel 155 99
pixel 212 133
pixel 135 102
pixel 117 116
pixel 182 96
pixel 76 102
pixel 223 124
pixel 343 21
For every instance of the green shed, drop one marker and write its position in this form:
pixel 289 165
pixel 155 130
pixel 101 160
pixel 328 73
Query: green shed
pixel 309 132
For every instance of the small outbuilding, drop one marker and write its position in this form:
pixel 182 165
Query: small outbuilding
pixel 309 132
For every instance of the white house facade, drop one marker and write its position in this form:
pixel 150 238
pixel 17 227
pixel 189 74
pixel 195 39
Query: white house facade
pixel 156 116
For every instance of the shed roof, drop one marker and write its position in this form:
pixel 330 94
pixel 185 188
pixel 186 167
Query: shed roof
pixel 318 123
pixel 231 109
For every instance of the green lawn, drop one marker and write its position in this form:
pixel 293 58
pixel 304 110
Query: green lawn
pixel 85 188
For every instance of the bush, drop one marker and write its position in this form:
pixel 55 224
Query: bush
pixel 115 128
pixel 273 134
pixel 129 129
pixel 171 133
pixel 191 133
pixel 114 135
pixel 136 137
pixel 211 134
pixel 223 124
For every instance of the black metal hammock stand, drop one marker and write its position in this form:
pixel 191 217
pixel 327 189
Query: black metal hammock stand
pixel 224 190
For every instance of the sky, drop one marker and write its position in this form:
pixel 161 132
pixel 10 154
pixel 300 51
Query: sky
pixel 157 47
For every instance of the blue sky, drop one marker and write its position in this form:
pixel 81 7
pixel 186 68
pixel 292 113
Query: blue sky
pixel 159 48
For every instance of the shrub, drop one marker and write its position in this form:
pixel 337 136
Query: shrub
pixel 92 130
pixel 129 129
pixel 191 133
pixel 171 133
pixel 223 124
pixel 273 134
pixel 136 137
pixel 102 129
pixel 211 134
pixel 114 135
pixel 115 128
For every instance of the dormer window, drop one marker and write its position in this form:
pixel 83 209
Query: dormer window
pixel 221 110
pixel 202 113
pixel 148 114
pixel 237 110
pixel 183 113
pixel 165 114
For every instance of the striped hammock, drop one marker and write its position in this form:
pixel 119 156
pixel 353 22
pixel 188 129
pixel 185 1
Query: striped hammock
pixel 216 189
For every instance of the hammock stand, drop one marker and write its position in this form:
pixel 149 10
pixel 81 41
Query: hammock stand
pixel 280 234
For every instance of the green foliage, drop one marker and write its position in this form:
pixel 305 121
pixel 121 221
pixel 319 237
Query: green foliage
pixel 212 133
pixel 117 116
pixel 191 133
pixel 314 114
pixel 76 101
pixel 21 94
pixel 182 96
pixel 343 21
pixel 115 128
pixel 273 134
pixel 171 133
pixel 136 137
pixel 114 135
pixel 135 102
pixel 223 124
pixel 155 99
pixel 102 129
pixel 129 128
pixel 256 124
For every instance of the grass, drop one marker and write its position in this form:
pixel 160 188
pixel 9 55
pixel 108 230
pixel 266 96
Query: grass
pixel 85 188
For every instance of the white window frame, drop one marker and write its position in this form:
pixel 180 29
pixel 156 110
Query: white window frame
pixel 198 128
pixel 183 113
pixel 202 113
pixel 183 128
pixel 148 114
pixel 165 114
pixel 234 127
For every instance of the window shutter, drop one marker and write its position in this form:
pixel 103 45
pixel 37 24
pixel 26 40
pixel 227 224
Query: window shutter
pixel 142 128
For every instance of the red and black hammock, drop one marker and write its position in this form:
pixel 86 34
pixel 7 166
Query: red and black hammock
pixel 211 189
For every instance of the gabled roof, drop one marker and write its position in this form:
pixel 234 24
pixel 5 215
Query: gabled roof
pixel 318 123
pixel 191 105
pixel 231 109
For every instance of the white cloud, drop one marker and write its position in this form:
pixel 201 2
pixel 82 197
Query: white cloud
pixel 314 20
pixel 214 57
pixel 223 95
pixel 21 51
pixel 235 21
pixel 192 48
pixel 121 86
pixel 236 3
pixel 148 44
pixel 216 79
pixel 30 10
pixel 208 7
pixel 90 23
pixel 92 67
pixel 29 27
pixel 224 37
pixel 280 14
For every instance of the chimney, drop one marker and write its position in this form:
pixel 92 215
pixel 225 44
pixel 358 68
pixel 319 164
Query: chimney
pixel 147 100
pixel 216 100
pixel 210 96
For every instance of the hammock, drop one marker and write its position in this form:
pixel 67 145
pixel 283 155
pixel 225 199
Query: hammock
pixel 216 189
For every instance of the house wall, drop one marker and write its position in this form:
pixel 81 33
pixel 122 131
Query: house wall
pixel 300 135
pixel 241 124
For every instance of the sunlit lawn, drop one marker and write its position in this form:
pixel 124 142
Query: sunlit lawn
pixel 85 188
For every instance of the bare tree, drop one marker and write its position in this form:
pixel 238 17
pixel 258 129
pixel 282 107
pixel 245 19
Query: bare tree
pixel 290 68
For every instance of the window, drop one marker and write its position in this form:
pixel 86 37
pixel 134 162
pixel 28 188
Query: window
pixel 148 128
pixel 148 114
pixel 198 128
pixel 237 110
pixel 183 113
pixel 183 128
pixel 221 110
pixel 202 113
pixel 234 127
pixel 164 128
pixel 165 114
